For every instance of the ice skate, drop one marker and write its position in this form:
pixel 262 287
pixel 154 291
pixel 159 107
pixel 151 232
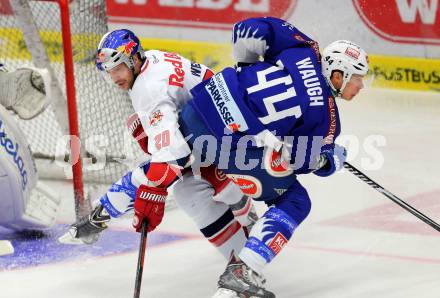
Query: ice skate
pixel 240 281
pixel 87 229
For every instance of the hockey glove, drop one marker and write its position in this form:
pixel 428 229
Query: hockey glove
pixel 24 91
pixel 149 205
pixel 335 161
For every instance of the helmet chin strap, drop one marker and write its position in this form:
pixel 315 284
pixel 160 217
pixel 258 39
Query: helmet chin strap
pixel 132 69
pixel 143 59
pixel 335 92
pixel 338 92
pixel 134 77
pixel 345 81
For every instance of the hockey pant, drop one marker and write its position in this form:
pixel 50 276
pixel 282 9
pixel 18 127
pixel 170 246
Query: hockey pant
pixel 195 196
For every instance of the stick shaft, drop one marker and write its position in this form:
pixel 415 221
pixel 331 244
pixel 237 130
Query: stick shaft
pixel 392 197
pixel 140 263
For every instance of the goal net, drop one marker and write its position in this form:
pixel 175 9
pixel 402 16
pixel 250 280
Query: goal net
pixel 31 35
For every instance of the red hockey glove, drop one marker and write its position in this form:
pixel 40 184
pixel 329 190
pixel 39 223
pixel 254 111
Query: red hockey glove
pixel 137 131
pixel 150 205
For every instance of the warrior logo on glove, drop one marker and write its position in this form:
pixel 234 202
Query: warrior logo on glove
pixel 149 205
pixel 152 197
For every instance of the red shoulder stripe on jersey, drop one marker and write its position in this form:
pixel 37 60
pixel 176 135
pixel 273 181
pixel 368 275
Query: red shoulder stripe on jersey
pixel 145 66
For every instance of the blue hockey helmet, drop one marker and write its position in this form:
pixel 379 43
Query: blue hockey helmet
pixel 116 47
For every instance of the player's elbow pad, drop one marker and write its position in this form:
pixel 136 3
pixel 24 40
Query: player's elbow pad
pixel 162 174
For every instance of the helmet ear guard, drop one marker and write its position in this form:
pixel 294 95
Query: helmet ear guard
pixel 346 57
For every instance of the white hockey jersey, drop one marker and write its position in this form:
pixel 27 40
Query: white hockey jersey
pixel 159 92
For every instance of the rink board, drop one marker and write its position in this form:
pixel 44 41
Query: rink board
pixel 389 71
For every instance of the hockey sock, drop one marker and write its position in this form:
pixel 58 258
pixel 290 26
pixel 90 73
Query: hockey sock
pixel 225 233
pixel 268 236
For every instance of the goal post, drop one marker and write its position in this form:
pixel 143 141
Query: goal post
pixel 82 206
pixel 81 136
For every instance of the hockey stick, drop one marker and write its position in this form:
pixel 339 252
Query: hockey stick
pixel 392 197
pixel 140 263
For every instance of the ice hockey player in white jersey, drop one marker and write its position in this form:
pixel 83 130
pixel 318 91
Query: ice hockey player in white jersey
pixel 25 202
pixel 159 84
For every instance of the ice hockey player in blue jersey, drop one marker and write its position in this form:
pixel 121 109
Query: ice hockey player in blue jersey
pixel 266 121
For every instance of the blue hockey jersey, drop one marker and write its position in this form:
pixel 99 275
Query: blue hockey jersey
pixel 285 94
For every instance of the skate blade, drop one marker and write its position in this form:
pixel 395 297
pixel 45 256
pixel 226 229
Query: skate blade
pixel 225 293
pixel 68 238
pixel 6 248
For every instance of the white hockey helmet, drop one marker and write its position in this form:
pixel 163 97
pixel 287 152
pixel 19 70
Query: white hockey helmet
pixel 345 56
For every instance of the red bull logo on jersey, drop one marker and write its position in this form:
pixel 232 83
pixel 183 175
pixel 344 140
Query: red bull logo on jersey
pixel 127 49
pixel 176 78
pixel 156 117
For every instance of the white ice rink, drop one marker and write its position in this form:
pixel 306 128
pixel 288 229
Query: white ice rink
pixel 355 243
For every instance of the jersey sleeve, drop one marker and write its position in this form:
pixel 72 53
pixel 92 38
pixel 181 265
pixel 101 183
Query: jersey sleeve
pixel 266 37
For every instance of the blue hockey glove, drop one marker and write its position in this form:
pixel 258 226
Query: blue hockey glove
pixel 335 161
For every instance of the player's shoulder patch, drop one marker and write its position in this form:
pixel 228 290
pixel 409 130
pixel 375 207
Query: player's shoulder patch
pixel 155 117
